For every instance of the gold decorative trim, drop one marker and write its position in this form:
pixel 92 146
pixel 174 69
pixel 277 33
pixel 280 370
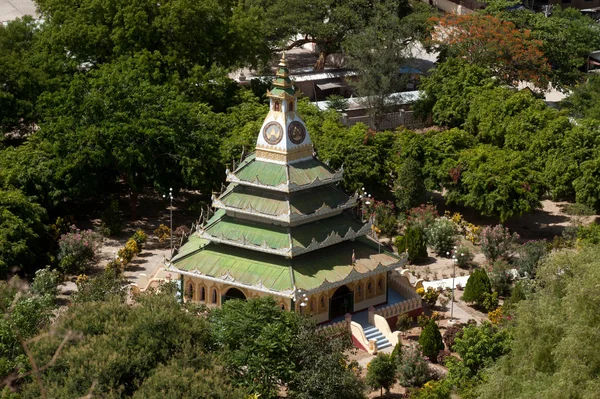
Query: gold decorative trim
pixel 277 156
pixel 274 148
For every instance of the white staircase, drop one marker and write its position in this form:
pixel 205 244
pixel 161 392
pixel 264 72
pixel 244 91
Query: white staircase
pixel 371 332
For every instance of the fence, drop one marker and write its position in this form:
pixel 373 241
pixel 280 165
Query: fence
pixel 390 121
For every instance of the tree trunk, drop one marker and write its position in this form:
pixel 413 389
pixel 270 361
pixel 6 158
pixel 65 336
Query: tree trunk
pixel 320 65
pixel 133 201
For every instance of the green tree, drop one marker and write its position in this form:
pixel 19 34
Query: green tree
pixel 182 31
pixel 584 102
pixel 431 341
pixel 381 373
pixel 554 333
pixel 413 242
pixel 379 75
pixel 495 182
pixel 478 285
pixel 23 234
pixel 113 123
pixel 479 346
pixel 409 187
pixel 404 323
pixel 448 91
pixel 413 370
pixel 265 346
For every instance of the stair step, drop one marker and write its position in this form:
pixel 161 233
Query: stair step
pixel 374 334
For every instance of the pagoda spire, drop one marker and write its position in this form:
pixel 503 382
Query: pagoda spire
pixel 283 136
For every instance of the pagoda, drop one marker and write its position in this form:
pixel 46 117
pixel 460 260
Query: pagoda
pixel 284 228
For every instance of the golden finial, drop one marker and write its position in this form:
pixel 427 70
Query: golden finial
pixel 283 60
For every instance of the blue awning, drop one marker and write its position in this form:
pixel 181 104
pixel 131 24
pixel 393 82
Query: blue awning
pixel 409 69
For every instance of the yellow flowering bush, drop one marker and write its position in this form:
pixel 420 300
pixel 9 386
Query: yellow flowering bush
pixel 495 316
pixel 421 291
pixel 129 251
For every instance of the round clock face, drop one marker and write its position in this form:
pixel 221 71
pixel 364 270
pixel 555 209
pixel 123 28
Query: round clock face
pixel 296 132
pixel 273 133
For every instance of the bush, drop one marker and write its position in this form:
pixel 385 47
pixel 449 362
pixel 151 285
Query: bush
pixel 413 370
pixel 496 315
pixel 478 285
pixel 414 243
pixel 140 239
pixel 430 296
pixel 421 217
pixel 442 356
pixel 410 188
pixel 163 233
pixel 501 278
pixel 431 341
pixel 129 251
pixel 385 218
pixel 530 255
pixel 404 323
pixel 381 372
pixel 111 219
pixel 464 257
pixel 397 354
pixel 450 335
pixel 433 390
pixel 441 236
pixel 114 267
pixel 497 242
pixel 589 234
pixel 45 282
pixel 490 301
pixel 77 250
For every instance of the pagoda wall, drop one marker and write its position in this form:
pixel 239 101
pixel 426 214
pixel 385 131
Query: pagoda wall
pixel 213 292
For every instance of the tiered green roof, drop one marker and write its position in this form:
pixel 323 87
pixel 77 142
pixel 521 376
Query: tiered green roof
pixel 277 204
pixel 308 272
pixel 275 176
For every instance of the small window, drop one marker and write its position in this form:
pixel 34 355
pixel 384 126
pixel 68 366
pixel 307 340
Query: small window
pixel 379 285
pixel 312 305
pixel 276 106
pixel 214 295
pixel 282 306
pixel 202 294
pixel 322 303
pixel 190 290
pixel 358 290
pixel 369 288
pixel 291 106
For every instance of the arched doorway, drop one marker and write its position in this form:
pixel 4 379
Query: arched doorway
pixel 233 293
pixel 341 302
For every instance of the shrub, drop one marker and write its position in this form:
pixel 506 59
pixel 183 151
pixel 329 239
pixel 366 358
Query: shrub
pixel 441 236
pixel 129 251
pixel 464 257
pixel 414 243
pixel 422 320
pixel 114 267
pixel 450 335
pixel 430 296
pixel 496 315
pixel 111 219
pixel 443 355
pixel 140 239
pixel 497 242
pixel 381 372
pixel 397 354
pixel 433 390
pixel 589 234
pixel 490 301
pixel 77 250
pixel 431 341
pixel 478 285
pixel 163 233
pixel 530 255
pixel 404 323
pixel 421 217
pixel 501 277
pixel 413 370
pixel 385 218
pixel 45 282
pixel 410 188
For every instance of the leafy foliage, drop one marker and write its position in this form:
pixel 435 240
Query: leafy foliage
pixel 409 186
pixel 78 250
pixel 22 232
pixel 413 370
pixel 479 346
pixel 413 242
pixel 430 341
pixel 478 286
pixel 111 219
pixel 381 372
pixel 497 242
pixel 556 351
pixel 511 54
pixel 450 335
pixel 531 254
pixel 441 236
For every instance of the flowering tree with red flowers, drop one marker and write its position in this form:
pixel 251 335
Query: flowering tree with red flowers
pixel 512 54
